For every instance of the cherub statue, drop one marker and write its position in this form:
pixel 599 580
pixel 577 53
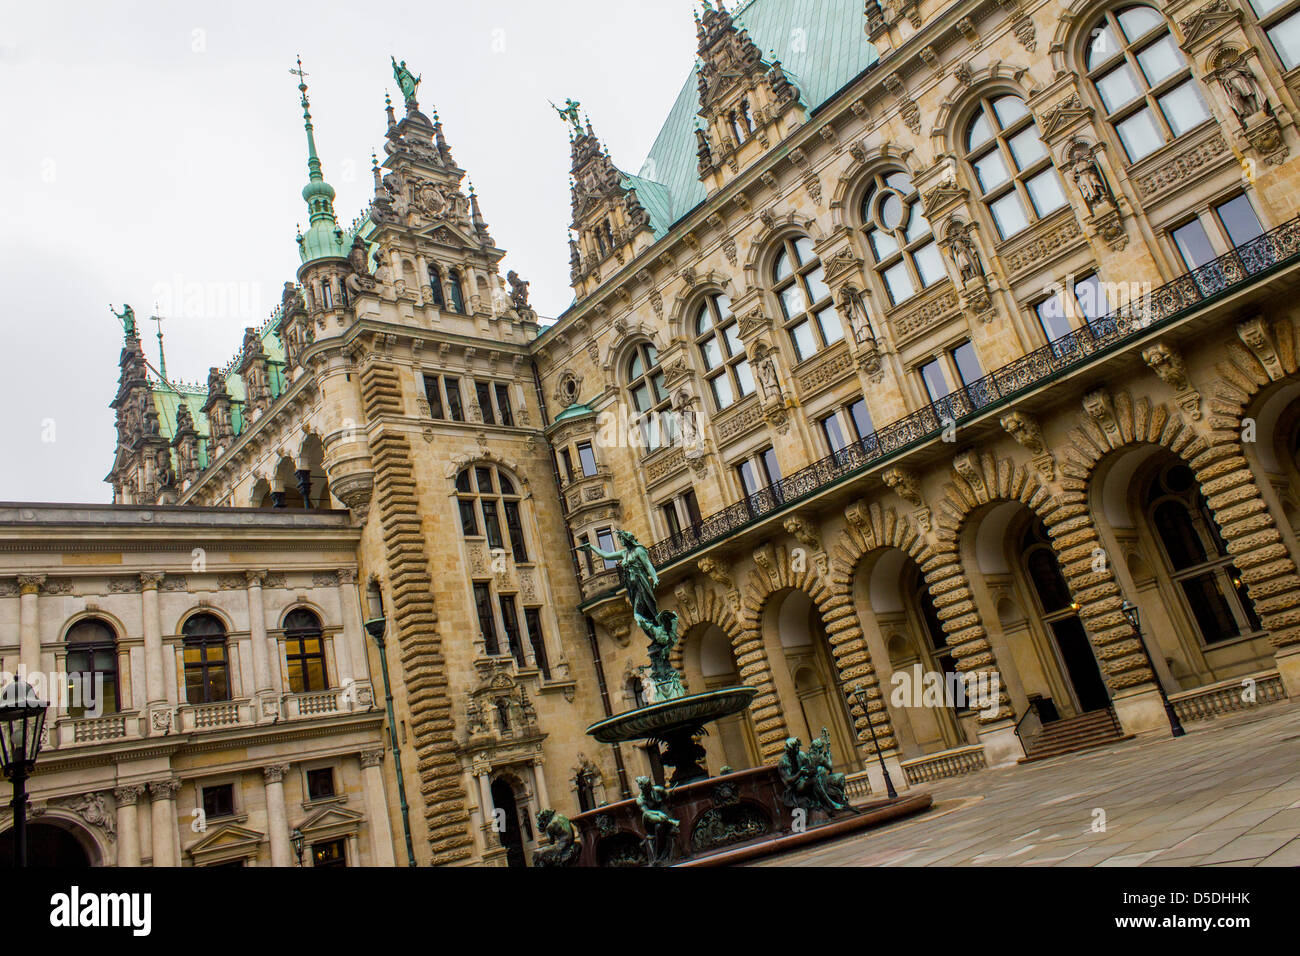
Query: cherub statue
pixel 563 849
pixel 660 828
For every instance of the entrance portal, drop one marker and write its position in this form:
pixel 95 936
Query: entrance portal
pixel 48 845
pixel 503 798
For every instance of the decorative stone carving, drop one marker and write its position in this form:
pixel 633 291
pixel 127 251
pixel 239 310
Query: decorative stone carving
pixel 967 465
pixel 1028 434
pixel 1257 337
pixel 804 531
pixel 1101 409
pixel 91 808
pixel 616 618
pixel 904 483
pixel 716 571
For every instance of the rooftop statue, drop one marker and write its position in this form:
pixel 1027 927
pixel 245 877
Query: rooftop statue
pixel 570 113
pixel 406 80
pixel 127 318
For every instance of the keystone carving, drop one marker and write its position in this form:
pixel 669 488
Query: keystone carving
pixel 1101 410
pixel 904 484
pixel 716 571
pixel 1257 337
pixel 1029 435
pixel 1167 362
pixel 803 530
pixel 967 465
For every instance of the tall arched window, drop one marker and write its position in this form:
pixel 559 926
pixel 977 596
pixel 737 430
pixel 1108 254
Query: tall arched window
pixel 456 290
pixel 1143 79
pixel 806 309
pixel 435 286
pixel 92 664
pixel 650 400
pixel 1013 169
pixel 899 236
pixel 1202 571
pixel 717 335
pixel 304 652
pixel 207 674
pixel 488 500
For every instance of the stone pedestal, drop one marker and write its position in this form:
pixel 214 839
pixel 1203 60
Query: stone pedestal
pixel 1140 711
pixel 876 776
pixel 1001 744
pixel 1288 668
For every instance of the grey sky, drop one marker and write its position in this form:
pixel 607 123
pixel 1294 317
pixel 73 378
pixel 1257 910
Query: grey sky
pixel 156 150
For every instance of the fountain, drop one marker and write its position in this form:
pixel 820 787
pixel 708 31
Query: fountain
pixel 698 819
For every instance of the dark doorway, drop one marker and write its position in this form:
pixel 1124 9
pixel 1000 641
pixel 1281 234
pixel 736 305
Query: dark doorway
pixel 1080 664
pixel 503 799
pixel 47 846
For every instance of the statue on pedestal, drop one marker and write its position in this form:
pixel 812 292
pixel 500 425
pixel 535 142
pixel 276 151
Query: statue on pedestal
pixel 407 81
pixel 660 828
pixel 563 849
pixel 810 783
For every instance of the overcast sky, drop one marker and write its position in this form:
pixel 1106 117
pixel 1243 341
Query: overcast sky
pixel 155 151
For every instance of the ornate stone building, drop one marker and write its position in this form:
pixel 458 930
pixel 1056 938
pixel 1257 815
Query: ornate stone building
pixel 927 336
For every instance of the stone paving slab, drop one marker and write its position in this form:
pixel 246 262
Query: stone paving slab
pixel 1228 793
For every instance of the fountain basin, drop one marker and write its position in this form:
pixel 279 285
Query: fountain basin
pixel 655 721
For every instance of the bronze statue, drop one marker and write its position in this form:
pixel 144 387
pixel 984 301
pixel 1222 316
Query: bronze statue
pixel 569 114
pixel 127 317
pixel 810 784
pixel 660 828
pixel 563 849
pixel 828 785
pixel 407 81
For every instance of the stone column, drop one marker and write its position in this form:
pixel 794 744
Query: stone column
pixel 163 793
pixel 29 634
pixel 128 825
pixel 277 820
pixel 155 682
pixel 354 638
pixel 257 638
pixel 381 832
pixel 489 816
pixel 539 786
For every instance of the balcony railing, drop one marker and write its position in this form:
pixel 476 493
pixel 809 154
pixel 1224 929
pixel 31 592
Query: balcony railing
pixel 1162 306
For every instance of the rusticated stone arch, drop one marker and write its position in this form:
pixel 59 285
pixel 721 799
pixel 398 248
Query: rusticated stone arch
pixel 702 605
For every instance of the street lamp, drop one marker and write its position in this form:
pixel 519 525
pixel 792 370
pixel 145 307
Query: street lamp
pixel 1134 617
pixel 860 694
pixel 375 626
pixel 22 720
pixel 297 838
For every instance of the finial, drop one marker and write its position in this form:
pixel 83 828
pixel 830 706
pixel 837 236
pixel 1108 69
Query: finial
pixel 388 108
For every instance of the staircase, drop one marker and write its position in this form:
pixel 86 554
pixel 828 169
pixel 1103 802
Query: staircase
pixel 1093 729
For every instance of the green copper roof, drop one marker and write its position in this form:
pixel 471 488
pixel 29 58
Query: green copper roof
pixel 576 410
pixel 323 239
pixel 822 45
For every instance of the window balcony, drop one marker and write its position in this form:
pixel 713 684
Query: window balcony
pixel 1164 306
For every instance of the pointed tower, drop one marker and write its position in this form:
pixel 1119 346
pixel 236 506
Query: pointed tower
pixel 142 468
pixel 746 103
pixel 611 224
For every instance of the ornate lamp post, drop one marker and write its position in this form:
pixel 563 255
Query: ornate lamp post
pixel 375 626
pixel 860 695
pixel 297 839
pixel 1135 621
pixel 22 720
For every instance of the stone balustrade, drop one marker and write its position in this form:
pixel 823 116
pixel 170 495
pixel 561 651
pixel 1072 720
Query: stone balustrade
pixel 948 763
pixel 1229 696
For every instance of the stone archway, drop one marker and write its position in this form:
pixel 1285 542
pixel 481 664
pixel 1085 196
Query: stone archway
pixel 52 843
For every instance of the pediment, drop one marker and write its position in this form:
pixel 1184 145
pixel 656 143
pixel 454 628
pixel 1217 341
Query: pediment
pixel 228 837
pixel 331 818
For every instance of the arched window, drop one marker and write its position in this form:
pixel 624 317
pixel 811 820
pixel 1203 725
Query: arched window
pixel 650 400
pixel 487 499
pixel 92 668
pixel 457 291
pixel 304 652
pixel 898 235
pixel 435 286
pixel 327 294
pixel 1143 80
pixel 717 335
pixel 1013 169
pixel 207 675
pixel 1201 570
pixel 806 309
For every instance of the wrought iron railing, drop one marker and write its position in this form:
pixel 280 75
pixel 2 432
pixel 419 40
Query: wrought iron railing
pixel 1101 335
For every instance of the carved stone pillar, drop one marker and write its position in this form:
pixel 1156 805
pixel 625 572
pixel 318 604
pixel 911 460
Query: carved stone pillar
pixel 128 824
pixel 381 831
pixel 155 682
pixel 165 837
pixel 29 635
pixel 277 819
pixel 265 689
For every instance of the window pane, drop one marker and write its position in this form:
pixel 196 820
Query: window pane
pixel 503 405
pixel 1184 108
pixel 803 248
pixel 891 211
pixel 1027 148
pixel 1102 48
pixel 829 322
pixel 918 225
pixel 770 467
pixel 1239 220
pixel 516 530
pixel 883 244
pixel 834 435
pixel 454 407
pixel 483 477
pixel 1045 192
pixel 1009 214
pixel 1286 40
pixel 1140 135
pixel 1137 21
pixel 781 268
pixel 1263 7
pixel 1009 109
pixel 732 334
pixel 745 377
pixel 1091 296
pixel 980 132
pixel 991 170
pixel 641 396
pixel 484 396
pixel 792 300
pixel 1161 60
pixel 657 380
pixel 587 458
pixel 898 281
pixel 929 263
pixel 636 369
pixel 723 302
pixel 711 353
pixel 492 525
pixel 804 341
pixel 936 383
pixel 704 321
pixel 861 416
pixel 1210 608
pixel 605 541
pixel 968 363
pixel 468 517
pixel 748 477
pixel 434 394
pixel 900 181
pixel 817 289
pixel 1194 244
pixel 722 393
pixel 1117 87
pixel 1051 315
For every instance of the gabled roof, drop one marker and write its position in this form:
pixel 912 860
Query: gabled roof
pixel 822 45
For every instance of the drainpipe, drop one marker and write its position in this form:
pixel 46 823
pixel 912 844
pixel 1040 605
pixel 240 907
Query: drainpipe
pixel 624 790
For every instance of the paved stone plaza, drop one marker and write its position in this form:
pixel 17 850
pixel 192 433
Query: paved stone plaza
pixel 1227 794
